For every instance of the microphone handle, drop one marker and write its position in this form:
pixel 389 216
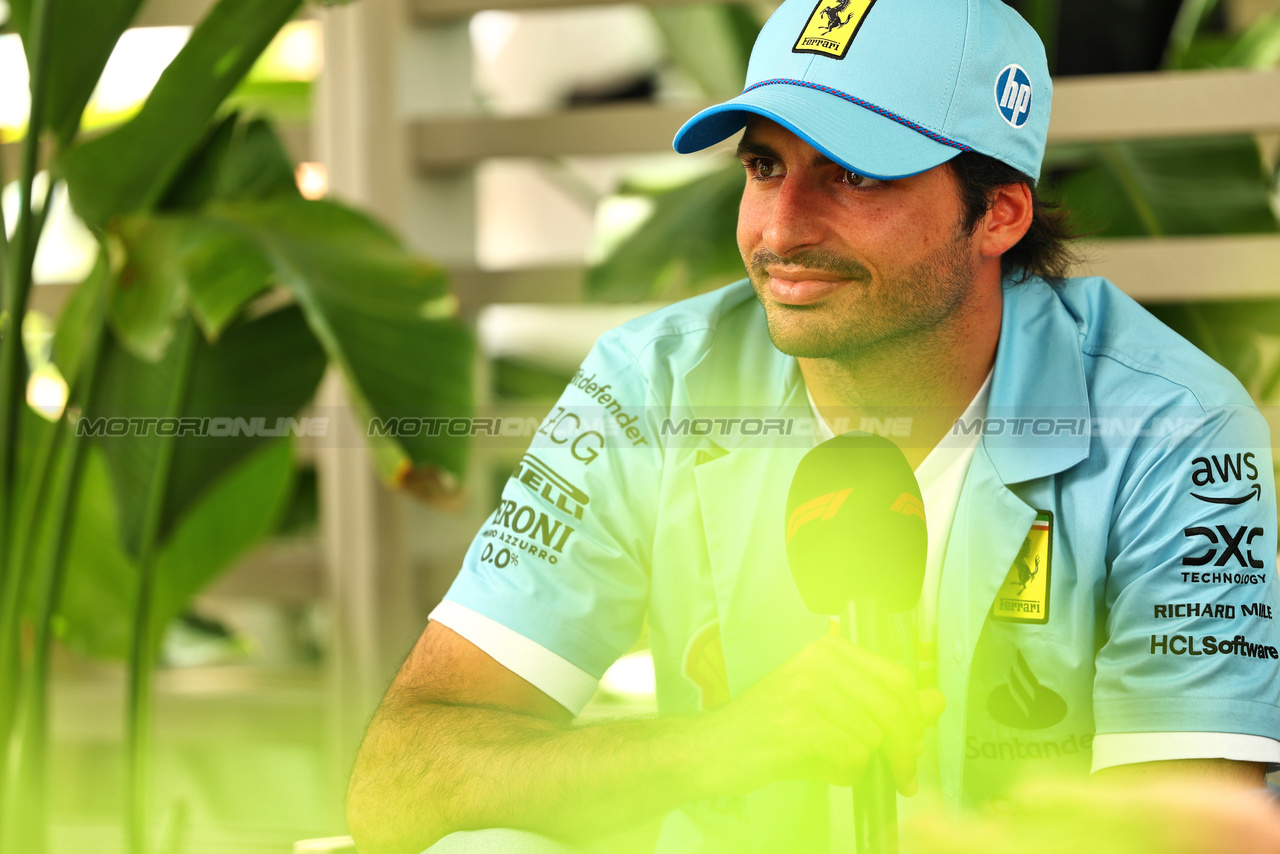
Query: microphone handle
pixel 875 797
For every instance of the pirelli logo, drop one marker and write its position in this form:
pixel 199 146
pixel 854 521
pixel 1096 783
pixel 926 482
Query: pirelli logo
pixel 832 27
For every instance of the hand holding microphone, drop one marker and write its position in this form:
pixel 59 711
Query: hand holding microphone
pixel 856 543
pixel 835 709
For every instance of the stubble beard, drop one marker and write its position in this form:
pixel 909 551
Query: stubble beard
pixel 900 310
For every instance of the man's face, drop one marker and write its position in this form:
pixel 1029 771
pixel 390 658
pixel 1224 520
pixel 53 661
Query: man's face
pixel 843 263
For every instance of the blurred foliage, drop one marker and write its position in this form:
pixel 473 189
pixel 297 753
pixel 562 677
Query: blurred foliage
pixel 219 295
pixel 282 100
pixel 710 42
pixel 516 379
pixel 1166 187
pixel 685 246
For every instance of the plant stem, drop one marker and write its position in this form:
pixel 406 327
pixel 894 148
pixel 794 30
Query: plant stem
pixel 4 245
pixel 145 640
pixel 1191 14
pixel 1116 158
pixel 19 258
pixel 14 584
pixel 27 770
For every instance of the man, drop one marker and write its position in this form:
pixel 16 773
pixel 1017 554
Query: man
pixel 1100 496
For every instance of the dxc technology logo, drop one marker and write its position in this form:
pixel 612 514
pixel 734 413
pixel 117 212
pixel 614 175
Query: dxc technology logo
pixel 1013 95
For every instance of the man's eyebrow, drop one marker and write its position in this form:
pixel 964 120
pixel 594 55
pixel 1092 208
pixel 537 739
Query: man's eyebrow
pixel 751 148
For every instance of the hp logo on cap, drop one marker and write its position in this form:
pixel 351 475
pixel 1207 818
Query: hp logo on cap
pixel 1013 95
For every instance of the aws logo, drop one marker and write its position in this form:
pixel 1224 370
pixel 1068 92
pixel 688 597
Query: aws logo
pixel 1024 703
pixel 1229 469
pixel 1013 95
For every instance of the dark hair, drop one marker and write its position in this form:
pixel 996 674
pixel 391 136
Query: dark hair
pixel 1045 250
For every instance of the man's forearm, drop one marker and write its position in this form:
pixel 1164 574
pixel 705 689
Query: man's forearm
pixel 428 769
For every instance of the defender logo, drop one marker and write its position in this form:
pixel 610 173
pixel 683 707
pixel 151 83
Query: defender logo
pixel 1013 95
pixel 822 507
pixel 1024 703
pixel 832 27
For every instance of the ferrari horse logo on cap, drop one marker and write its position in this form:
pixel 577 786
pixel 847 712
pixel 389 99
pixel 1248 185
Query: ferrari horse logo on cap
pixel 832 27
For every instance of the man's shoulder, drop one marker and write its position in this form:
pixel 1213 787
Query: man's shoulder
pixel 676 337
pixel 1132 353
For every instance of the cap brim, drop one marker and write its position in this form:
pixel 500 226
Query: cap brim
pixel 853 136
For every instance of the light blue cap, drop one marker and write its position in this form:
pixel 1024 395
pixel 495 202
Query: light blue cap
pixel 891 88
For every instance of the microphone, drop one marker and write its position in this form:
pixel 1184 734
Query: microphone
pixel 856 544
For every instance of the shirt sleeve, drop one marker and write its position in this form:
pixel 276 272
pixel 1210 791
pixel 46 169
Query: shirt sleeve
pixel 1130 748
pixel 1191 641
pixel 555 585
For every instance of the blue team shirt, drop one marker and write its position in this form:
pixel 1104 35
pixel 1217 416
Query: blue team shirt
pixel 1110 569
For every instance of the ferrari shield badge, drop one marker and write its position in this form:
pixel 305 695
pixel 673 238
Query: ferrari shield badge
pixel 1024 595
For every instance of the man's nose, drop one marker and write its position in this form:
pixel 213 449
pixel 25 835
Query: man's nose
pixel 794 220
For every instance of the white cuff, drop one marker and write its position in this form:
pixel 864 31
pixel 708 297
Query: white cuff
pixel 562 681
pixel 1128 748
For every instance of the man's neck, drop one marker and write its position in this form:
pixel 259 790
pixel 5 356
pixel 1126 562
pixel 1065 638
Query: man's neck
pixel 927 379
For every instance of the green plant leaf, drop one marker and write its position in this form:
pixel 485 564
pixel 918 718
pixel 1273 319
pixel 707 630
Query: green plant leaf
pixel 1172 187
pixel 255 166
pixel 82 309
pixel 84 33
pixel 282 100
pixel 1259 46
pixel 100 586
pixel 238 510
pixel 147 295
pixel 381 315
pixel 686 245
pixel 258 375
pixel 711 42
pixel 96 609
pixel 223 271
pixel 129 168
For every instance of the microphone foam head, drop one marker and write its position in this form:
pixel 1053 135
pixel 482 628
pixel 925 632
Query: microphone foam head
pixel 855 526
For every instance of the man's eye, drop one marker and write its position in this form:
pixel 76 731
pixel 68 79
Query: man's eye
pixel 762 168
pixel 853 179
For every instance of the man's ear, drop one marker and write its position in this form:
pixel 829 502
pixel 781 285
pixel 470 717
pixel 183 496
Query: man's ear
pixel 1007 220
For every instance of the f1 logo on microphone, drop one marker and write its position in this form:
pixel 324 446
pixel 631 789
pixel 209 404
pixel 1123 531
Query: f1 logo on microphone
pixel 1013 95
pixel 822 507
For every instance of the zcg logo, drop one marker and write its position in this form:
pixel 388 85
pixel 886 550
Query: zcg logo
pixel 1013 95
pixel 1232 543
